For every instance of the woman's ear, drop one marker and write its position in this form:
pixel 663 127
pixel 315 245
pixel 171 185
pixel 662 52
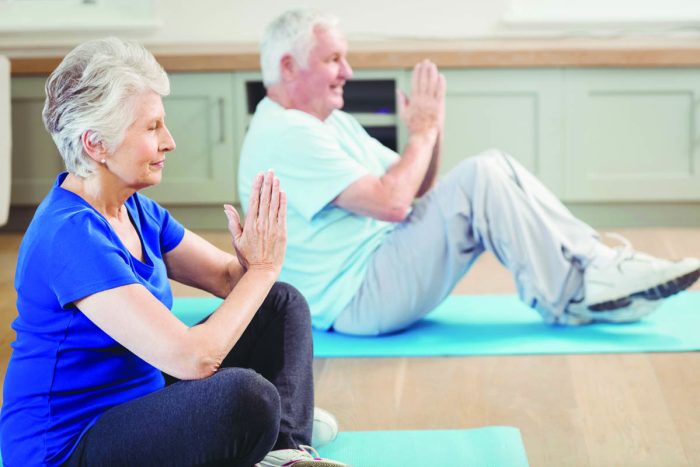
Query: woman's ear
pixel 93 147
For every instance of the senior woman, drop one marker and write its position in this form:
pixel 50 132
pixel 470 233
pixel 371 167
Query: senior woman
pixel 85 385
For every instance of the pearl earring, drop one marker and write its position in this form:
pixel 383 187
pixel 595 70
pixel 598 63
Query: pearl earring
pixel 103 161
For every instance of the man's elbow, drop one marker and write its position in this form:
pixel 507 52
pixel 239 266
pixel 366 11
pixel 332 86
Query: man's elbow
pixel 394 213
pixel 394 201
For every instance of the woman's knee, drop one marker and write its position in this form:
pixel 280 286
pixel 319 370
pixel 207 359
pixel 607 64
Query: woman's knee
pixel 249 409
pixel 288 292
pixel 249 396
pixel 285 298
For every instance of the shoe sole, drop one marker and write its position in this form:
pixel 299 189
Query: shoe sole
pixel 318 463
pixel 658 292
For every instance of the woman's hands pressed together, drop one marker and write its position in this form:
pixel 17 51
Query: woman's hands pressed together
pixel 261 240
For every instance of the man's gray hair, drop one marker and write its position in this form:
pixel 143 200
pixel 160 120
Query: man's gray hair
pixel 95 88
pixel 290 33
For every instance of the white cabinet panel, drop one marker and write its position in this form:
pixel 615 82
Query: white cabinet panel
pixel 200 116
pixel 632 135
pixel 35 159
pixel 517 111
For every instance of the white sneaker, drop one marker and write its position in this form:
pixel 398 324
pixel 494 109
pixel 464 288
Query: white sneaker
pixel 633 276
pixel 325 428
pixel 305 456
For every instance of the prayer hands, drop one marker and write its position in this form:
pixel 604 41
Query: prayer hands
pixel 261 241
pixel 425 111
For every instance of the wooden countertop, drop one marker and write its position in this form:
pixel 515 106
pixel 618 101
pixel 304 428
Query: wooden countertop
pixel 627 52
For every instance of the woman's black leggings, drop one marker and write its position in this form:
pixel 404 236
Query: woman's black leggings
pixel 260 400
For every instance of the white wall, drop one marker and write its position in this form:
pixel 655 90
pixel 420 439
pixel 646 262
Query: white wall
pixel 605 11
pixel 244 20
pixel 234 21
pixel 227 21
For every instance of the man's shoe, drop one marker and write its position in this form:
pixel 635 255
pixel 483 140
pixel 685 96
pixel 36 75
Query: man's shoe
pixel 305 456
pixel 580 313
pixel 325 428
pixel 634 276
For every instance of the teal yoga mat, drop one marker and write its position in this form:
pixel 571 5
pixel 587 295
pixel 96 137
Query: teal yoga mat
pixel 480 447
pixel 501 325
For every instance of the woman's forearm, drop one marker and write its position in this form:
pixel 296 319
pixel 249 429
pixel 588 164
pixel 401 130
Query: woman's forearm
pixel 211 341
pixel 234 273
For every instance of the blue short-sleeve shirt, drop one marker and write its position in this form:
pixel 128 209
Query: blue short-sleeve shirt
pixel 328 247
pixel 64 371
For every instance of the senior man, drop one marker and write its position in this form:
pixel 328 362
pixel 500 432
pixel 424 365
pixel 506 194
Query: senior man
pixel 374 243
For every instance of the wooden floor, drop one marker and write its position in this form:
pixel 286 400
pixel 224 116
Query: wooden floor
pixel 572 410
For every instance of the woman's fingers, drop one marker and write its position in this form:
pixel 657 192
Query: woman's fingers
pixel 234 221
pixel 265 196
pixel 254 199
pixel 282 212
pixel 274 201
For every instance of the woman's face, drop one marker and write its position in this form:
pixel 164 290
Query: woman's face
pixel 140 158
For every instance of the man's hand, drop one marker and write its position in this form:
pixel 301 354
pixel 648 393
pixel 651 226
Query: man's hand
pixel 261 241
pixel 424 112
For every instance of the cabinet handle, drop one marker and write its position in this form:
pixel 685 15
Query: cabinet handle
pixel 222 117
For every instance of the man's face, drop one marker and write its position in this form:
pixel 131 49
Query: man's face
pixel 318 88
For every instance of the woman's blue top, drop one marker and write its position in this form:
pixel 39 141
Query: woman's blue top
pixel 64 371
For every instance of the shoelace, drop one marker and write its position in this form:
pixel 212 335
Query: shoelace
pixel 305 453
pixel 625 251
pixel 310 451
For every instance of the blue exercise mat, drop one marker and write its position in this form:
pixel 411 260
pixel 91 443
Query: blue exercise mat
pixel 502 325
pixel 480 447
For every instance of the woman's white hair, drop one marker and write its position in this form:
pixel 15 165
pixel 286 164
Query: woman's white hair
pixel 290 33
pixel 95 88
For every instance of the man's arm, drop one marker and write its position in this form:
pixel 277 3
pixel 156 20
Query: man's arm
pixel 389 197
pixel 436 159
pixel 433 167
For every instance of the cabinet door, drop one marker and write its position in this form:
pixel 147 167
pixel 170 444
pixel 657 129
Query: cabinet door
pixel 517 111
pixel 35 159
pixel 200 116
pixel 633 135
